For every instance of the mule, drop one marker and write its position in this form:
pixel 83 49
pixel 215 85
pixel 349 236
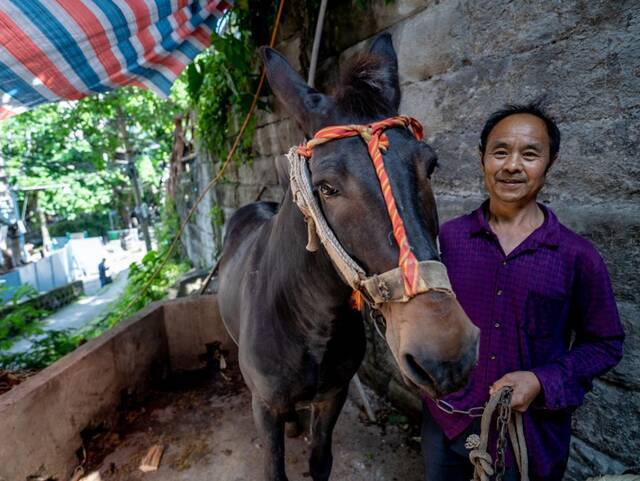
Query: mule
pixel 288 308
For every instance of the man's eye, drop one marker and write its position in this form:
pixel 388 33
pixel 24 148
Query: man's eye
pixel 327 190
pixel 530 155
pixel 500 153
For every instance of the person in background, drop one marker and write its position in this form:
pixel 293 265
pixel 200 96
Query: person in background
pixel 102 272
pixel 541 296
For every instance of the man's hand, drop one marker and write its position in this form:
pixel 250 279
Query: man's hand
pixel 526 387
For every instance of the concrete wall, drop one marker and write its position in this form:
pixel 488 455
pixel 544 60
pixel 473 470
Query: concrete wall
pixel 188 337
pixel 41 420
pixel 460 60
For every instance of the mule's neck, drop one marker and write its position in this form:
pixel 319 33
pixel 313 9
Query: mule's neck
pixel 308 290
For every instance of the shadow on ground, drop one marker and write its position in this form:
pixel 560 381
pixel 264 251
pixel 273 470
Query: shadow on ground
pixel 204 421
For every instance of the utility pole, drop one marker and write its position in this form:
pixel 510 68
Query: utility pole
pixel 133 175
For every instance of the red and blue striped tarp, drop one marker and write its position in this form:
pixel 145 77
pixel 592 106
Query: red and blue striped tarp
pixel 67 49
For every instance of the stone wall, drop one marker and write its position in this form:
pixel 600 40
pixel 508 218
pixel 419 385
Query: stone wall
pixel 460 60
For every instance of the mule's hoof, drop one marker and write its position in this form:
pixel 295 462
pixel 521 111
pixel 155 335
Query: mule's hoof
pixel 292 429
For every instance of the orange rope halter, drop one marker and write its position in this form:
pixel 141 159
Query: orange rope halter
pixel 378 142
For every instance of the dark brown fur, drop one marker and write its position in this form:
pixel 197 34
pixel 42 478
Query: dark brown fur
pixel 299 340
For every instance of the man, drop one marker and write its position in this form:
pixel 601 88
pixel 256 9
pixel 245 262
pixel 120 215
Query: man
pixel 102 273
pixel 541 296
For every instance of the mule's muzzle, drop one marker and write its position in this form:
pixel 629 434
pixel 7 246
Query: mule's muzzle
pixel 438 377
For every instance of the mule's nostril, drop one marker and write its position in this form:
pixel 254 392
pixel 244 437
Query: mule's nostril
pixel 419 372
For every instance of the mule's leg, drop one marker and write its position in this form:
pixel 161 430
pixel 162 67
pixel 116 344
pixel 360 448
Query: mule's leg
pixel 293 425
pixel 326 415
pixel 270 426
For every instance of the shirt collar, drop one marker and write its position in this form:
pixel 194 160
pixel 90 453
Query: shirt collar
pixel 547 234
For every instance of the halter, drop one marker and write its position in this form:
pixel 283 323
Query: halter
pixel 411 277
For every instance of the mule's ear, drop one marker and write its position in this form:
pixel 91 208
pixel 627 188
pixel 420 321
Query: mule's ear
pixel 306 104
pixel 382 47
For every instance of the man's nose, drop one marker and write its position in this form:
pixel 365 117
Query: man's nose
pixel 514 163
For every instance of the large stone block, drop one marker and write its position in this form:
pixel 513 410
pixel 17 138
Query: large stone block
pixel 247 194
pixel 227 194
pixel 586 461
pixel 431 42
pixel 260 171
pixel 626 373
pixel 508 27
pixel 609 420
pixel 275 113
pixel 458 172
pixel 346 25
pixel 613 228
pixel 273 193
pixel 291 50
pixel 276 138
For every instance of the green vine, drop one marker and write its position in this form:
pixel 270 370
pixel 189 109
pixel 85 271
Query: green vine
pixel 222 81
pixel 221 84
pixel 18 317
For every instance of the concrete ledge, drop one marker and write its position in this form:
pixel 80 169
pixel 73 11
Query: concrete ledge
pixel 42 419
pixel 188 338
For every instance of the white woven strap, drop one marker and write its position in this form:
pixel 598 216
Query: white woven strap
pixel 303 196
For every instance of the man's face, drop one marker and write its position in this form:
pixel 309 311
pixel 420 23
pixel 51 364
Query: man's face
pixel 516 158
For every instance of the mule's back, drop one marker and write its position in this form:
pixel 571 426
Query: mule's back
pixel 243 230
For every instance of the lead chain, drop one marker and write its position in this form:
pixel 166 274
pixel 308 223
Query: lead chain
pixel 504 415
pixel 474 412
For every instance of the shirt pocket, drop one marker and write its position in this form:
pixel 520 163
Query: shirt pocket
pixel 544 326
pixel 545 314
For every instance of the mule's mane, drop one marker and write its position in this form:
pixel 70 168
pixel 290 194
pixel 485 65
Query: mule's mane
pixel 361 91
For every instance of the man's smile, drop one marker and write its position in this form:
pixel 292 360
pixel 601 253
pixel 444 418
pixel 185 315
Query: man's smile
pixel 511 182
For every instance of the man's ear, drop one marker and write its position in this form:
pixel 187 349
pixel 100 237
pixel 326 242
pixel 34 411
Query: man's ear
pixel 481 156
pixel 383 48
pixel 551 162
pixel 306 104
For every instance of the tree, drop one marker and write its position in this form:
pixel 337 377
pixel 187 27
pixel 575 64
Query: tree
pixel 76 144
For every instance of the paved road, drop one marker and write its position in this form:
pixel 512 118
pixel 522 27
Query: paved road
pixel 82 311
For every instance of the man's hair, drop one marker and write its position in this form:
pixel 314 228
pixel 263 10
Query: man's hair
pixel 533 108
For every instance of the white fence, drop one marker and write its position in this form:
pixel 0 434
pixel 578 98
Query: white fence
pixel 78 259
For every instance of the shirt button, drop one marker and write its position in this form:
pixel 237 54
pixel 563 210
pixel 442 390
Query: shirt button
pixel 504 263
pixel 497 325
pixel 493 357
pixel 499 293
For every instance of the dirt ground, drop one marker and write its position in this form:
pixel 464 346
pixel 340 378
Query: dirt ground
pixel 204 420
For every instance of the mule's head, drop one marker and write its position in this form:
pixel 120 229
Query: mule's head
pixel 432 339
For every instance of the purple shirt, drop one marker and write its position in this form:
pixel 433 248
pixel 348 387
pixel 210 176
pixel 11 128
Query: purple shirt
pixel 529 305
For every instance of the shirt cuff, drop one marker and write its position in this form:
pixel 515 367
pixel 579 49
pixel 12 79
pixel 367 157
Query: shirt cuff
pixel 551 393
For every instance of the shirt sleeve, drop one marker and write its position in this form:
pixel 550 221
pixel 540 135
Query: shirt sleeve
pixel 597 345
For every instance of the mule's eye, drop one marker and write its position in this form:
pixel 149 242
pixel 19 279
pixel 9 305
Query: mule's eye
pixel 327 190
